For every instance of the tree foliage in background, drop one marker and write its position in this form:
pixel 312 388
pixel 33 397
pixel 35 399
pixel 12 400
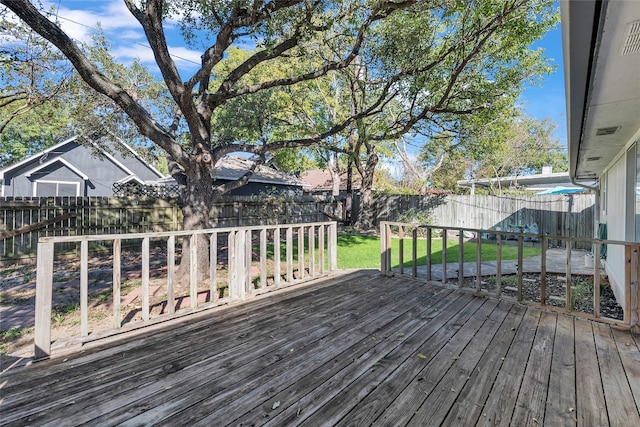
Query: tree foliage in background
pixel 512 145
pixel 34 81
pixel 422 67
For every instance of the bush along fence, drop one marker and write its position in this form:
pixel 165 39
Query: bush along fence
pixel 24 220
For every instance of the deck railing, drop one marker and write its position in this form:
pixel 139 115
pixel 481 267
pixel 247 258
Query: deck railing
pixel 489 277
pixel 243 262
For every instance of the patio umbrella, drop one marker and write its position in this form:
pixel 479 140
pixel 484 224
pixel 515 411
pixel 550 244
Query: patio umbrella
pixel 561 190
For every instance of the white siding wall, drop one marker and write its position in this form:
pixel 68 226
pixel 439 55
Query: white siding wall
pixel 614 218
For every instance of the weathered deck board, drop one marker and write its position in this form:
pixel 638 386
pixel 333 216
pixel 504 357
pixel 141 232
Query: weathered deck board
pixel 531 400
pixel 561 398
pixel 357 350
pixel 591 408
pixel 466 410
pixel 621 406
pixel 500 403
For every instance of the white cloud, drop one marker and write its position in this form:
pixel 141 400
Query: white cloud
pixel 79 19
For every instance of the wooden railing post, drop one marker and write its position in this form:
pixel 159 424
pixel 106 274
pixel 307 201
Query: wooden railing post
pixel 117 282
pixel 145 279
pixel 263 258
pixel 248 284
pixel 301 266
pixel 520 258
pixel 44 293
pixel 383 248
pixel 444 255
pixel 312 250
pixel 321 248
pixel 568 283
pixel 276 257
pixel 498 264
pixel 171 268
pixel 429 235
pixel 289 254
pixel 333 246
pixel 213 267
pixel 401 248
pixel 84 288
pixel 414 252
pixel 596 279
pixel 460 258
pixel 632 264
pixel 479 263
pixel 193 270
pixel 543 270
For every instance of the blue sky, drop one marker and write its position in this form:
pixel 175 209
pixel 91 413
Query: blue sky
pixel 78 17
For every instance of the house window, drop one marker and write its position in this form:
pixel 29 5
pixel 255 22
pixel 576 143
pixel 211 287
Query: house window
pixel 56 189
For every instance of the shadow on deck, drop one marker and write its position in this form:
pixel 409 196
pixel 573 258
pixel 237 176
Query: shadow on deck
pixel 357 349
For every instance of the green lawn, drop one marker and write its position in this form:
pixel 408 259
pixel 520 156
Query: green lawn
pixel 355 251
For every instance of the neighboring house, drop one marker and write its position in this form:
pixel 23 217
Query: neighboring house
pixel 73 169
pixel 601 41
pixel 319 182
pixel 547 181
pixel 265 179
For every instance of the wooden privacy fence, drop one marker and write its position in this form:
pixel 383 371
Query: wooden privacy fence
pixel 488 277
pixel 24 220
pixel 569 215
pixel 243 262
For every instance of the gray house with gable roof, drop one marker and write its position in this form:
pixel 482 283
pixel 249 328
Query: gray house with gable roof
pixel 74 169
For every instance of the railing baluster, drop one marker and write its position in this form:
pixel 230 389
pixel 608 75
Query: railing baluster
pixel 248 259
pixel 333 246
pixel 520 242
pixel 171 271
pixel 460 258
pixel 401 248
pixel 321 248
pixel 213 268
pixel 289 252
pixel 301 265
pixel 414 252
pixel 543 270
pixel 117 279
pixel 231 265
pixel 444 255
pixel 498 265
pixel 634 292
pixel 429 234
pixel 568 283
pixel 263 258
pixel 145 278
pixel 479 263
pixel 84 288
pixel 312 251
pixel 193 271
pixel 388 246
pixel 276 257
pixel 596 279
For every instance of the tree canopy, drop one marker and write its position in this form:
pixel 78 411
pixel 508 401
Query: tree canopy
pixel 398 67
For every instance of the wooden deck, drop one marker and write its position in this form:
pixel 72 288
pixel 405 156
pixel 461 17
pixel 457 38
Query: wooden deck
pixel 359 349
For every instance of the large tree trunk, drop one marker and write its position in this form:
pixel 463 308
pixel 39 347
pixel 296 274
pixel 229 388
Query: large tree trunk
pixel 332 167
pixel 365 214
pixel 197 197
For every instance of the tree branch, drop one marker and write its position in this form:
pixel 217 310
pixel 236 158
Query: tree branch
pixel 92 76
